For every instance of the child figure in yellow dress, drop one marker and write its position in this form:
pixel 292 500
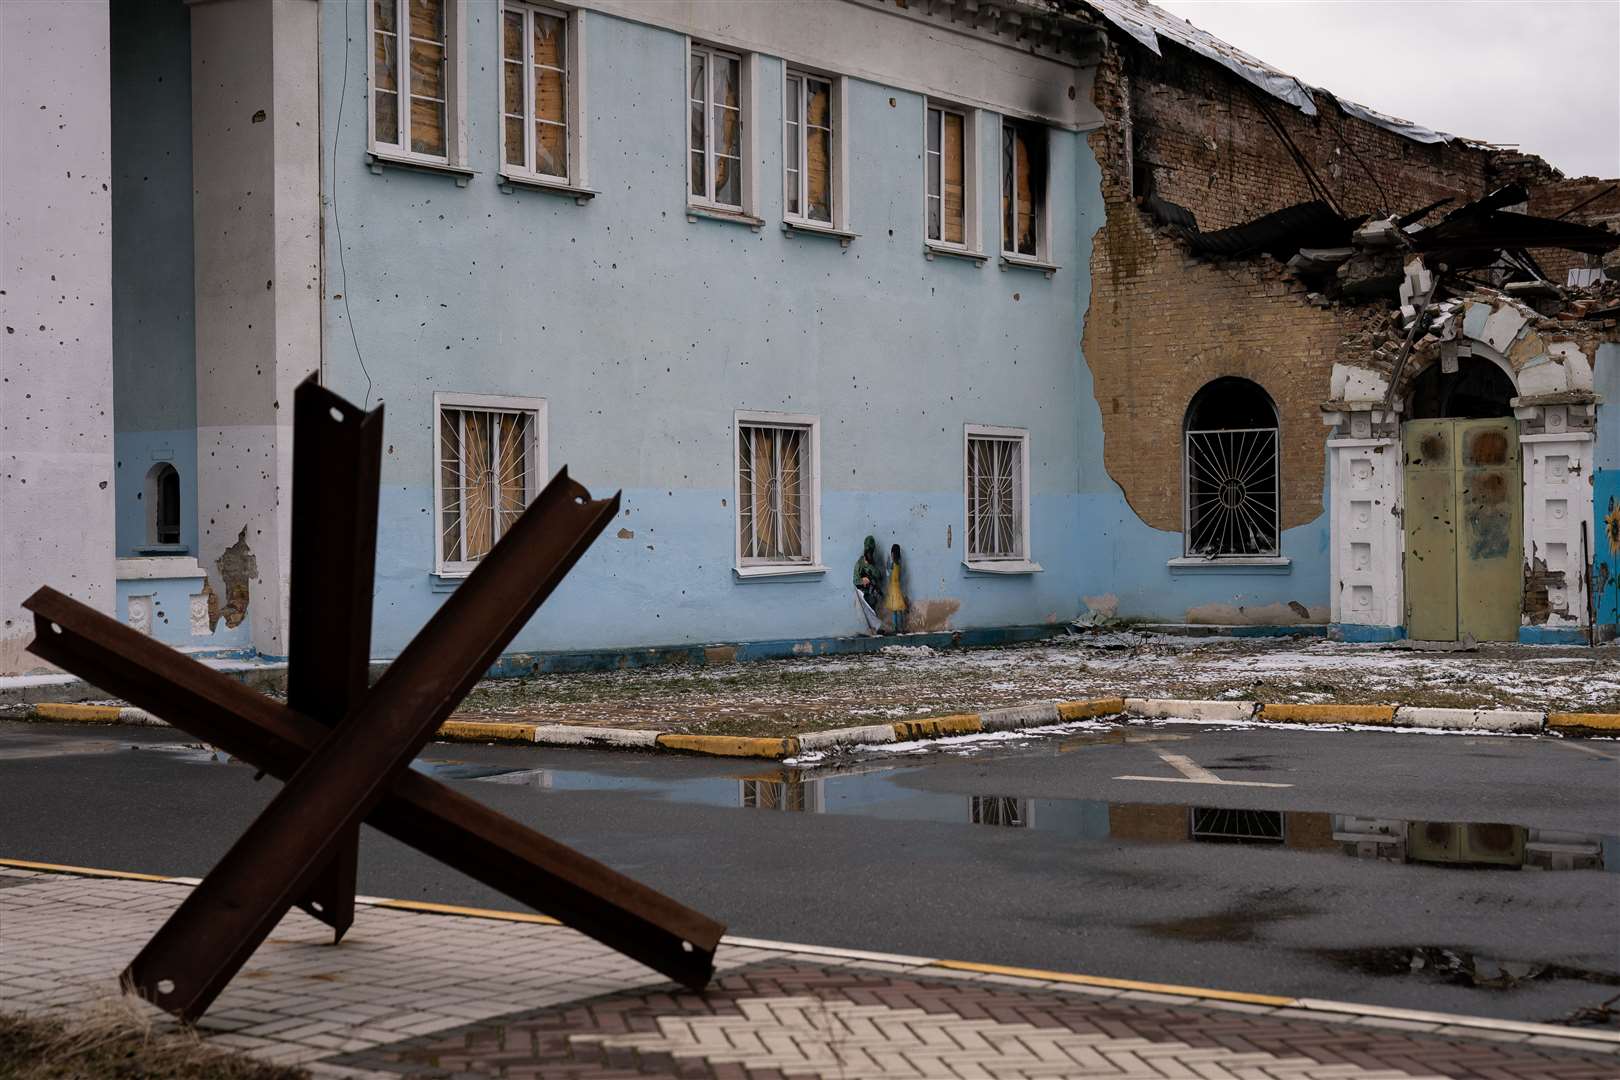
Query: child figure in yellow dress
pixel 894 597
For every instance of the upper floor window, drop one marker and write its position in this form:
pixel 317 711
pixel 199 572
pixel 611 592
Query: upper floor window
pixel 809 148
pixel 1023 189
pixel 778 492
pixel 946 163
pixel 491 459
pixel 1231 471
pixel 540 94
pixel 997 475
pixel 414 111
pixel 162 505
pixel 715 79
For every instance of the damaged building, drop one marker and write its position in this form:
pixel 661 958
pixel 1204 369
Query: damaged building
pixel 1088 311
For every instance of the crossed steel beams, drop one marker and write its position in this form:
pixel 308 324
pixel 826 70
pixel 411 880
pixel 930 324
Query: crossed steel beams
pixel 345 756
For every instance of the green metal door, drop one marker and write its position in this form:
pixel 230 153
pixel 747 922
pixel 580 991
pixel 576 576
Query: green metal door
pixel 1431 530
pixel 1490 532
pixel 1464 571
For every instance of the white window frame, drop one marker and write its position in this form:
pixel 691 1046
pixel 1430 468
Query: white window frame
pixel 1015 564
pixel 455 89
pixel 753 567
pixel 1043 232
pixel 971 236
pixel 573 87
pixel 746 75
pixel 838 188
pixel 537 476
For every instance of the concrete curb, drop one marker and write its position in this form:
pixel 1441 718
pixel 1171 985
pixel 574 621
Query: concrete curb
pixel 1484 721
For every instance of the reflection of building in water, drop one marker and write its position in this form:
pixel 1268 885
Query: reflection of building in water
pixel 1467 844
pixel 1175 824
pixel 1004 810
pixel 788 793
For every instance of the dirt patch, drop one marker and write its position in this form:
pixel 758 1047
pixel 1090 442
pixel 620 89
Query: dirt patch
pixel 781 697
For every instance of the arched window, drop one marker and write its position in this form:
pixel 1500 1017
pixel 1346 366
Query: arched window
pixel 1477 390
pixel 1230 471
pixel 163 504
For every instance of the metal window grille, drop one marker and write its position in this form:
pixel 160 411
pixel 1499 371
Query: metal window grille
pixel 716 128
pixel 1002 810
pixel 774 795
pixel 1237 826
pixel 1231 483
pixel 772 519
pixel 995 492
pixel 534 91
pixel 486 478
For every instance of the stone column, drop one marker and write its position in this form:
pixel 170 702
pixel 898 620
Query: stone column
pixel 56 405
pixel 1557 455
pixel 1364 501
pixel 256 168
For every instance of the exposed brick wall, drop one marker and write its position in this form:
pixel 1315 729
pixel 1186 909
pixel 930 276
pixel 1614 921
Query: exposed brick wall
pixel 1162 324
pixel 1556 197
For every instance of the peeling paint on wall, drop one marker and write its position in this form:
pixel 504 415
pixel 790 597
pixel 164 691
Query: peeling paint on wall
pixel 930 616
pixel 1292 613
pixel 1538 585
pixel 237 566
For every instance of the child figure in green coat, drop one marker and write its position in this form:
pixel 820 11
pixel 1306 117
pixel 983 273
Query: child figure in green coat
pixel 868 591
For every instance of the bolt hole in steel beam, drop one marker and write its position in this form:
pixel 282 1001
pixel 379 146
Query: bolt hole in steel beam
pixel 345 769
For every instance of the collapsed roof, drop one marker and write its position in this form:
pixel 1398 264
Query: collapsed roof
pixel 1148 25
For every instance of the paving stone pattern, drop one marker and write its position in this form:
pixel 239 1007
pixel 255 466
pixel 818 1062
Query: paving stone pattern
pixel 429 995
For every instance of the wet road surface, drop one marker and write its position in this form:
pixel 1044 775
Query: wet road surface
pixel 1466 874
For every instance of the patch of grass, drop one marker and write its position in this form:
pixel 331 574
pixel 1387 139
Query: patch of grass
pixel 115 1040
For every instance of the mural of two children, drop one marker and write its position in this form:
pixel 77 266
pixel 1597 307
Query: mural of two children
pixel 880 590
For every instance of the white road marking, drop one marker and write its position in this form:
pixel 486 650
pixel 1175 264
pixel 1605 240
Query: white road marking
pixel 1194 773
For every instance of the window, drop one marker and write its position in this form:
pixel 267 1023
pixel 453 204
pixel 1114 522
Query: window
pixel 162 505
pixel 997 495
pixel 1023 189
pixel 491 458
pixel 809 148
pixel 946 163
pixel 413 107
pixel 716 122
pixel 778 492
pixel 1231 469
pixel 540 94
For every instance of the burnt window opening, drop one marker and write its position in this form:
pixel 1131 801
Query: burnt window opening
pixel 1023 188
pixel 163 505
pixel 1230 471
pixel 1477 390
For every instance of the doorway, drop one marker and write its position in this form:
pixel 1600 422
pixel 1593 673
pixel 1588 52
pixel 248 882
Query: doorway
pixel 1464 561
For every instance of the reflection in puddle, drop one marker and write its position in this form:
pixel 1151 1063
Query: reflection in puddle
pixel 876 793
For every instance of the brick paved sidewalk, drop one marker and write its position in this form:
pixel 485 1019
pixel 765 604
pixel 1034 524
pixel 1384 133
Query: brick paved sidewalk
pixel 430 995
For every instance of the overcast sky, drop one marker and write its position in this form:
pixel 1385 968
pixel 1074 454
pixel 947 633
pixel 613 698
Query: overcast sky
pixel 1544 74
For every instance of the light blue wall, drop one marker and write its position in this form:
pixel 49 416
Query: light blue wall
pixel 154 332
pixel 644 331
pixel 1606 381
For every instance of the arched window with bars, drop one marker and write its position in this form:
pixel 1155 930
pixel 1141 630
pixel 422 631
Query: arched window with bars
pixel 1230 471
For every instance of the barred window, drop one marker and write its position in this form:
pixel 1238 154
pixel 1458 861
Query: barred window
pixel 1231 471
pixel 775 492
pixel 997 494
pixel 537 109
pixel 490 463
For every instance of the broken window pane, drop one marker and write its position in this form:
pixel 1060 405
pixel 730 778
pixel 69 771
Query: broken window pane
pixel 818 160
pixel 512 36
pixel 427 20
pixel 384 16
pixel 727 133
pixel 1023 186
pixel 699 126
pixel 792 152
pixel 385 75
pixel 955 186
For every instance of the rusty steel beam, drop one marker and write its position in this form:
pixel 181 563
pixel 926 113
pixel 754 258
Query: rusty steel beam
pixel 438 821
pixel 337 469
pixel 275 861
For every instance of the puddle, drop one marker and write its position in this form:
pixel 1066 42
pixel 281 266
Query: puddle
pixel 878 793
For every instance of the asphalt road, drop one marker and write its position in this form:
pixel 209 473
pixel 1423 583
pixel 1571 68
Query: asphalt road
pixel 1032 852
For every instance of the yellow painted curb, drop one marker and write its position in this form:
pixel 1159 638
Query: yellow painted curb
pixel 730 745
pixel 1118 984
pixel 1081 710
pixel 1587 721
pixel 431 908
pixel 102 714
pixel 486 731
pixel 83 871
pixel 934 727
pixel 1327 714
